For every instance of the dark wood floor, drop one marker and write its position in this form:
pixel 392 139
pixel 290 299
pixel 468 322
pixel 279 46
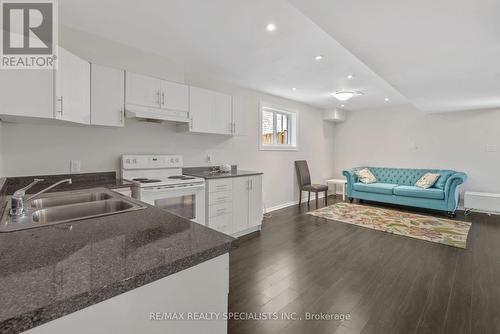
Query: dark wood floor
pixel 386 283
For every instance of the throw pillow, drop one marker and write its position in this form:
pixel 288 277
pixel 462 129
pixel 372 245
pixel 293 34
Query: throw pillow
pixel 427 180
pixel 366 176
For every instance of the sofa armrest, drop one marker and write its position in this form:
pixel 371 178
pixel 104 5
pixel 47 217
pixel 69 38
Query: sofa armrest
pixel 351 177
pixel 451 189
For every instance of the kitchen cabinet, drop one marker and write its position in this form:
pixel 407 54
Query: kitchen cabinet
pixel 135 311
pixel 27 93
pixel 148 97
pixel 72 88
pixel 47 94
pixel 142 90
pixel 210 111
pixel 235 204
pixel 247 202
pixel 107 96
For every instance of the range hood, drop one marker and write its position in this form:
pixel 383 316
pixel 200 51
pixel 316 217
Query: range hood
pixel 156 114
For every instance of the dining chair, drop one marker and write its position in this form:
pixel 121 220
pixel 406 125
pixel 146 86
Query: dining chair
pixel 304 180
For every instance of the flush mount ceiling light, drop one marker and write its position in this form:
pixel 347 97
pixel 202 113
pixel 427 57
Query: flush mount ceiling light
pixel 318 57
pixel 270 27
pixel 350 76
pixel 386 99
pixel 294 89
pixel 345 95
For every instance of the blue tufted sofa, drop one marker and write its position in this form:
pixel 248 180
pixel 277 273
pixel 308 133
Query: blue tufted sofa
pixel 397 186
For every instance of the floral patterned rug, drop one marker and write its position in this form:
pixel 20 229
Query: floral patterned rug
pixel 439 230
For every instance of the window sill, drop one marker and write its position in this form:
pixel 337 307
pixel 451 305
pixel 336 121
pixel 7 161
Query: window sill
pixel 278 148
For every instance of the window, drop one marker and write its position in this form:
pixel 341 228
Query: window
pixel 278 128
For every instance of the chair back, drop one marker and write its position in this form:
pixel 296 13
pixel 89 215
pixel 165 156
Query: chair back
pixel 303 176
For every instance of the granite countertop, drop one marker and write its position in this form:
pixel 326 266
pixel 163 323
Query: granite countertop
pixel 49 272
pixel 204 172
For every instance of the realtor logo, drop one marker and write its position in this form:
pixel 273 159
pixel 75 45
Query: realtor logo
pixel 29 34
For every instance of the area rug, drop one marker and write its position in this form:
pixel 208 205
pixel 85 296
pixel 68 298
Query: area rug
pixel 443 231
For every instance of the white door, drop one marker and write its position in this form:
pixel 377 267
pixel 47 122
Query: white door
pixel 107 96
pixel 201 106
pixel 241 187
pixel 174 96
pixel 27 93
pixel 72 88
pixel 222 114
pixel 142 90
pixel 255 211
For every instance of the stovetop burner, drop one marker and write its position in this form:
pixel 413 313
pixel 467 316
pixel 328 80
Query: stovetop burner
pixel 181 177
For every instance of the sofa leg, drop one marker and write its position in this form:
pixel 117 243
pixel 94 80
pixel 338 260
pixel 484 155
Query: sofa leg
pixel 351 199
pixel 452 214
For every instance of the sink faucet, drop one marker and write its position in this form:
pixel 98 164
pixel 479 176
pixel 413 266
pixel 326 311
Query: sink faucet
pixel 19 200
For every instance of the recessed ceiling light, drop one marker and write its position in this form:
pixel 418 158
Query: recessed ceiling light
pixel 294 89
pixel 270 27
pixel 386 99
pixel 318 57
pixel 350 76
pixel 342 105
pixel 345 95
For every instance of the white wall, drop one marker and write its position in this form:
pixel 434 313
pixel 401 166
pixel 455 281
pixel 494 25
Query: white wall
pixel 405 137
pixel 47 149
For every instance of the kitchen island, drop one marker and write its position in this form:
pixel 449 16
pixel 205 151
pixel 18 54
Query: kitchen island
pixel 113 273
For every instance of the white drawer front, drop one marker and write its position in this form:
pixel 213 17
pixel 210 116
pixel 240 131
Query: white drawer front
pixel 220 197
pixel 220 185
pixel 222 223
pixel 219 209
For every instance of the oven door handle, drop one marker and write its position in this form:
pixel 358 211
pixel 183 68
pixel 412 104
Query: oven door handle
pixel 169 188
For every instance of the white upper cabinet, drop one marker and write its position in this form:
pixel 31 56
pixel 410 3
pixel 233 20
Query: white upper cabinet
pixel 223 121
pixel 107 96
pixel 27 93
pixel 143 90
pixel 174 96
pixel 72 88
pixel 201 105
pixel 148 97
pixel 210 111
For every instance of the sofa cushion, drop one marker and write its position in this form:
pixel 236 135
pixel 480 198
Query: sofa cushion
pixel 378 188
pixel 410 191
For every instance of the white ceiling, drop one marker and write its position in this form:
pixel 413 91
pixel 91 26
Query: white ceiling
pixel 227 40
pixel 443 55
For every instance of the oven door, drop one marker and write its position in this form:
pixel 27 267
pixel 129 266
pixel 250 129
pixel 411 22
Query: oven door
pixel 187 201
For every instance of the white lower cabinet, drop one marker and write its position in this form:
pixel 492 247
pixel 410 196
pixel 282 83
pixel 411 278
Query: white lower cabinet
pixel 203 288
pixel 235 204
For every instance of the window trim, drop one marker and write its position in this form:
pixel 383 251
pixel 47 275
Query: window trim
pixel 293 129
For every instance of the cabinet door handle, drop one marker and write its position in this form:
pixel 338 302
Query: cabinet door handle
pixel 191 122
pixel 122 112
pixel 251 184
pixel 163 99
pixel 158 99
pixel 234 127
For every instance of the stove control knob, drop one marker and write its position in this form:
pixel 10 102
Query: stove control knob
pixel 172 160
pixel 127 161
pixel 177 160
pixel 135 161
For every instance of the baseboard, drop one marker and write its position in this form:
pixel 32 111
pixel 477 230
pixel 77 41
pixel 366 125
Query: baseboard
pixel 288 204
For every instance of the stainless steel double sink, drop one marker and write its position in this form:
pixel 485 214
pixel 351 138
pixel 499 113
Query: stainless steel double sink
pixel 65 207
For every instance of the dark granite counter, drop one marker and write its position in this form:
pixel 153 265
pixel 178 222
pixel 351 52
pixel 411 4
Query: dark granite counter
pixel 49 272
pixel 206 173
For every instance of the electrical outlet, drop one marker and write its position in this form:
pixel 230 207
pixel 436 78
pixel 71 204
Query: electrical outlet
pixel 75 166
